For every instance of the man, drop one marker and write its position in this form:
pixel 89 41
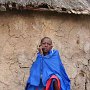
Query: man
pixel 47 72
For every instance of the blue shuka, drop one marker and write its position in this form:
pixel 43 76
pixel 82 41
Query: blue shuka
pixel 44 67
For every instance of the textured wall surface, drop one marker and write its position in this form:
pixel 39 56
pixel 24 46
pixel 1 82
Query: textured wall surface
pixel 20 34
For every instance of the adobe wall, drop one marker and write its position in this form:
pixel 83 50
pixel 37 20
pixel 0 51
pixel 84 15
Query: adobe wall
pixel 20 34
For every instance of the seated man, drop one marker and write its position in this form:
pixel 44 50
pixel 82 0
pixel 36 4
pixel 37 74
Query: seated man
pixel 47 72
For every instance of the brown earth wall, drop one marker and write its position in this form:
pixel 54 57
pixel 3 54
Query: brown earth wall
pixel 20 34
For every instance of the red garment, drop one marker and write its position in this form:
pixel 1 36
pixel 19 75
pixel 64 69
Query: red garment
pixel 50 80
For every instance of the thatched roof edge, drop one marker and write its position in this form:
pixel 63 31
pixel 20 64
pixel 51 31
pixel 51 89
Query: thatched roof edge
pixel 46 5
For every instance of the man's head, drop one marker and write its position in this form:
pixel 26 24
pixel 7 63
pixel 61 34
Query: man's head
pixel 46 44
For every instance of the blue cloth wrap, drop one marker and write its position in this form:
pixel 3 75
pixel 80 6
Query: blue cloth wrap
pixel 47 66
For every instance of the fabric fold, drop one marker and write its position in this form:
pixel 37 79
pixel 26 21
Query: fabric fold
pixel 48 66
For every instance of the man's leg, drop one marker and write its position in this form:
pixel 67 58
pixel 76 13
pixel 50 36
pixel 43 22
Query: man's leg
pixel 55 85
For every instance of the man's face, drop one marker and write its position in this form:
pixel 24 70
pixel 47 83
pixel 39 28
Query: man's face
pixel 46 45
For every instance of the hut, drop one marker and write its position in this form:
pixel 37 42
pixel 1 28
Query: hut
pixel 24 22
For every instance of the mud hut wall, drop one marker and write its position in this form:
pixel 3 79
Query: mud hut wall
pixel 20 34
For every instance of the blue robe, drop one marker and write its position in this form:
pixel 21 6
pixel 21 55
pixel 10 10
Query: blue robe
pixel 44 67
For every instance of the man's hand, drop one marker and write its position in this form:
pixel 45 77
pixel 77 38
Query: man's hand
pixel 40 49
